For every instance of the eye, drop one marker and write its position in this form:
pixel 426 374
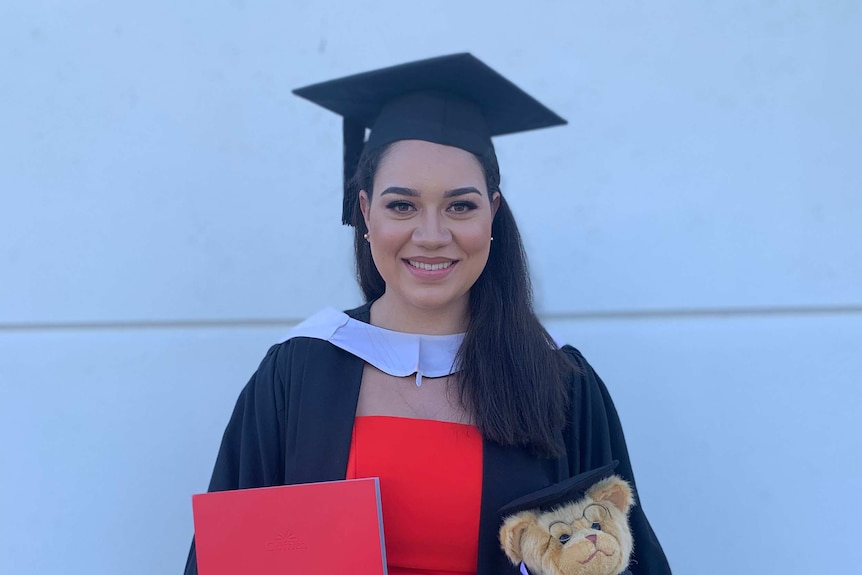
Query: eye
pixel 596 526
pixel 564 538
pixel 462 207
pixel 400 207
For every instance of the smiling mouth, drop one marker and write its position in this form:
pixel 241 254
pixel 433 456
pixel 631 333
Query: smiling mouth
pixel 596 552
pixel 429 267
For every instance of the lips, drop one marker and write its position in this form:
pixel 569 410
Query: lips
pixel 431 267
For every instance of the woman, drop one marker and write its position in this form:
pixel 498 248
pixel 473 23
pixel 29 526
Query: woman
pixel 444 384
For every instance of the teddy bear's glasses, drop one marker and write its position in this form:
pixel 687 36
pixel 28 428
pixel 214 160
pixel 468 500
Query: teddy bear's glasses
pixel 594 515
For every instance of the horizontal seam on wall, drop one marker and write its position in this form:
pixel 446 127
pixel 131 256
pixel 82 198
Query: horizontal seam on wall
pixel 603 315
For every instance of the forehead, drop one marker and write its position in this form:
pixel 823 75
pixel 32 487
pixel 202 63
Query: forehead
pixel 424 165
pixel 568 513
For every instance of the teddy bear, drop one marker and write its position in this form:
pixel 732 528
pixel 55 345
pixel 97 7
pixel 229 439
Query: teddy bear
pixel 587 536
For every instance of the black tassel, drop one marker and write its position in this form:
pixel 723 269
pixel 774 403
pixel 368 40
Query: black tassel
pixel 354 140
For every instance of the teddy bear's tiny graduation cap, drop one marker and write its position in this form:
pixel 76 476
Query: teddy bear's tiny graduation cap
pixel 561 493
pixel 452 100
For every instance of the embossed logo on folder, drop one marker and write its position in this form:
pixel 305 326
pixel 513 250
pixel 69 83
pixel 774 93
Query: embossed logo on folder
pixel 288 542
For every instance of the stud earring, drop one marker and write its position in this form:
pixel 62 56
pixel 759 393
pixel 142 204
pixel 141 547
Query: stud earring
pixel 492 238
pixel 366 237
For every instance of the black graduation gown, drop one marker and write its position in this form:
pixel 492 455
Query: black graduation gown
pixel 293 423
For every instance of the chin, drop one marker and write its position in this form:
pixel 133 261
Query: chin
pixel 430 301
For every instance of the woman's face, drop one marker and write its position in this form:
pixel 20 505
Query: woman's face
pixel 429 224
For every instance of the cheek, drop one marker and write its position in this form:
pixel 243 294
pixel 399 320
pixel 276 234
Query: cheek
pixel 475 239
pixel 389 236
pixel 387 239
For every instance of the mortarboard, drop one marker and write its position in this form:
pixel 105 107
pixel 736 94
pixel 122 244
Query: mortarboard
pixel 454 100
pixel 560 493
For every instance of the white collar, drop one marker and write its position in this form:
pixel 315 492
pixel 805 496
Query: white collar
pixel 393 352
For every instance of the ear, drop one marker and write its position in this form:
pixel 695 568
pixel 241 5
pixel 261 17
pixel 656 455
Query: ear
pixel 364 205
pixel 511 532
pixel 613 490
pixel 495 203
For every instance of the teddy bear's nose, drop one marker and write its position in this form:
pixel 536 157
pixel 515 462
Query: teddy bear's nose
pixel 592 538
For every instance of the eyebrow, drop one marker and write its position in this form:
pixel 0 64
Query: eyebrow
pixel 400 191
pixel 415 194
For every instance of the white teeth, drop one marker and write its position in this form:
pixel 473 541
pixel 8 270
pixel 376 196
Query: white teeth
pixel 429 267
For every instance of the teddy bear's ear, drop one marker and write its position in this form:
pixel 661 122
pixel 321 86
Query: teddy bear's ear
pixel 511 532
pixel 614 490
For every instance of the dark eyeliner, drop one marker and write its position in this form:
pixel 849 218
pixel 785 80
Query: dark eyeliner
pixel 393 205
pixel 466 204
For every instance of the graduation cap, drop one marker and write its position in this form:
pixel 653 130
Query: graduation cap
pixel 454 100
pixel 560 493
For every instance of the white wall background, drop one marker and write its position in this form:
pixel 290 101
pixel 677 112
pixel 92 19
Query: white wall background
pixel 168 209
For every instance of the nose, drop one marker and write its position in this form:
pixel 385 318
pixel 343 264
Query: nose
pixel 592 538
pixel 431 231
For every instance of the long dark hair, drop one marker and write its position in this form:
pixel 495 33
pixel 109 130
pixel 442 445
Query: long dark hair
pixel 512 378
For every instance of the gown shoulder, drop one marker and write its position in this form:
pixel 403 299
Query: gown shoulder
pixel 594 437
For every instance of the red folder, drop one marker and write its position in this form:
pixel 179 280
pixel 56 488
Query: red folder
pixel 310 529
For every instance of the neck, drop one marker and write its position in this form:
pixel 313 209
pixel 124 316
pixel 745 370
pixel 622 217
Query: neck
pixel 391 313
